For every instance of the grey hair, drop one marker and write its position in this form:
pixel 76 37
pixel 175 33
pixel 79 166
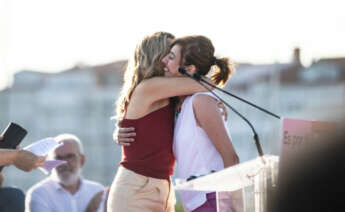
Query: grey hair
pixel 69 137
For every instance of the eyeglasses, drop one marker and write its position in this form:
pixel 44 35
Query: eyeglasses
pixel 68 157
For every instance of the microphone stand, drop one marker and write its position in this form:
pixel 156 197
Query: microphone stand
pixel 197 77
pixel 256 137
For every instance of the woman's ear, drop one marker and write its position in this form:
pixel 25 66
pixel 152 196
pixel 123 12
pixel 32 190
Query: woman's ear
pixel 191 69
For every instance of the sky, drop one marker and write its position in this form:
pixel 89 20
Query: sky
pixel 54 35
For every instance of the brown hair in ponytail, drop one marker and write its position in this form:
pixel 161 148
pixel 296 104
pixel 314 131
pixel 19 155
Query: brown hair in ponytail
pixel 225 67
pixel 199 51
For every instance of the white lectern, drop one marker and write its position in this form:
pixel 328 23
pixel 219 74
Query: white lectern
pixel 261 173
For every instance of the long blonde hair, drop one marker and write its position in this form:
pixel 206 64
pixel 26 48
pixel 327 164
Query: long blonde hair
pixel 145 63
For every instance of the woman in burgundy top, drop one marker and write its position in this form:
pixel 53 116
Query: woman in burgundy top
pixel 142 182
pixel 201 141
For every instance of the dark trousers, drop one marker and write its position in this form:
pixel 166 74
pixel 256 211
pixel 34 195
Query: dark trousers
pixel 11 200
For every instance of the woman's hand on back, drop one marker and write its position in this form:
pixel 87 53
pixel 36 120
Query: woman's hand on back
pixel 124 136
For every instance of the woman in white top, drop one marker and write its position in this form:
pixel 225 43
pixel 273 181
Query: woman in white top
pixel 201 141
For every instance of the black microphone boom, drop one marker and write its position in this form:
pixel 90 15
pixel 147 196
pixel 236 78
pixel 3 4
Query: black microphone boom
pixel 256 137
pixel 199 78
pixel 182 71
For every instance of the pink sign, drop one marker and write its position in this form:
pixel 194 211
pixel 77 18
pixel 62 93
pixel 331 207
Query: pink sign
pixel 298 135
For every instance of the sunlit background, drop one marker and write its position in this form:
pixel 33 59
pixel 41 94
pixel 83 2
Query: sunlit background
pixel 61 66
pixel 55 35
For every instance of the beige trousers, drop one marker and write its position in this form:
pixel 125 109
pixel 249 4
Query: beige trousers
pixel 132 192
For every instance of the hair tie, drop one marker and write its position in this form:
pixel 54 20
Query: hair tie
pixel 214 60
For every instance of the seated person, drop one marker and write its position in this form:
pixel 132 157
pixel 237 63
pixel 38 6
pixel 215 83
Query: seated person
pixel 65 190
pixel 11 199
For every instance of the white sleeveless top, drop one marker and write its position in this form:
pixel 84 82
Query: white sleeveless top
pixel 194 152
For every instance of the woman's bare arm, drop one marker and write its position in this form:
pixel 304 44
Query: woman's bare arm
pixel 158 88
pixel 210 119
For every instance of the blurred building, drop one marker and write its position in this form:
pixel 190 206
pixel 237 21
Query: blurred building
pixel 81 101
pixel 78 101
pixel 289 90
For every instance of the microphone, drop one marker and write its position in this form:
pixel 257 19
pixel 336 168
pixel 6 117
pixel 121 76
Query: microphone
pixel 198 78
pixel 256 137
pixel 182 71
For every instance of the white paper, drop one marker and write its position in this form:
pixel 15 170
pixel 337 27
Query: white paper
pixel 43 148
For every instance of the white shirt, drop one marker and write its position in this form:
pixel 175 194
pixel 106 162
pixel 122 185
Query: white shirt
pixel 49 196
pixel 194 152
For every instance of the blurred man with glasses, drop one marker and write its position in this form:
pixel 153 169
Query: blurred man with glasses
pixel 65 189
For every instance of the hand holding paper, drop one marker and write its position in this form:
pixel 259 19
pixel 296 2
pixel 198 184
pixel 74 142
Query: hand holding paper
pixel 27 161
pixel 42 148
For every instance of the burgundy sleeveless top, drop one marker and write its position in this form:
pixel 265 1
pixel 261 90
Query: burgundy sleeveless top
pixel 151 153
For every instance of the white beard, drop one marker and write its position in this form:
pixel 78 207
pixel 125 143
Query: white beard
pixel 67 181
